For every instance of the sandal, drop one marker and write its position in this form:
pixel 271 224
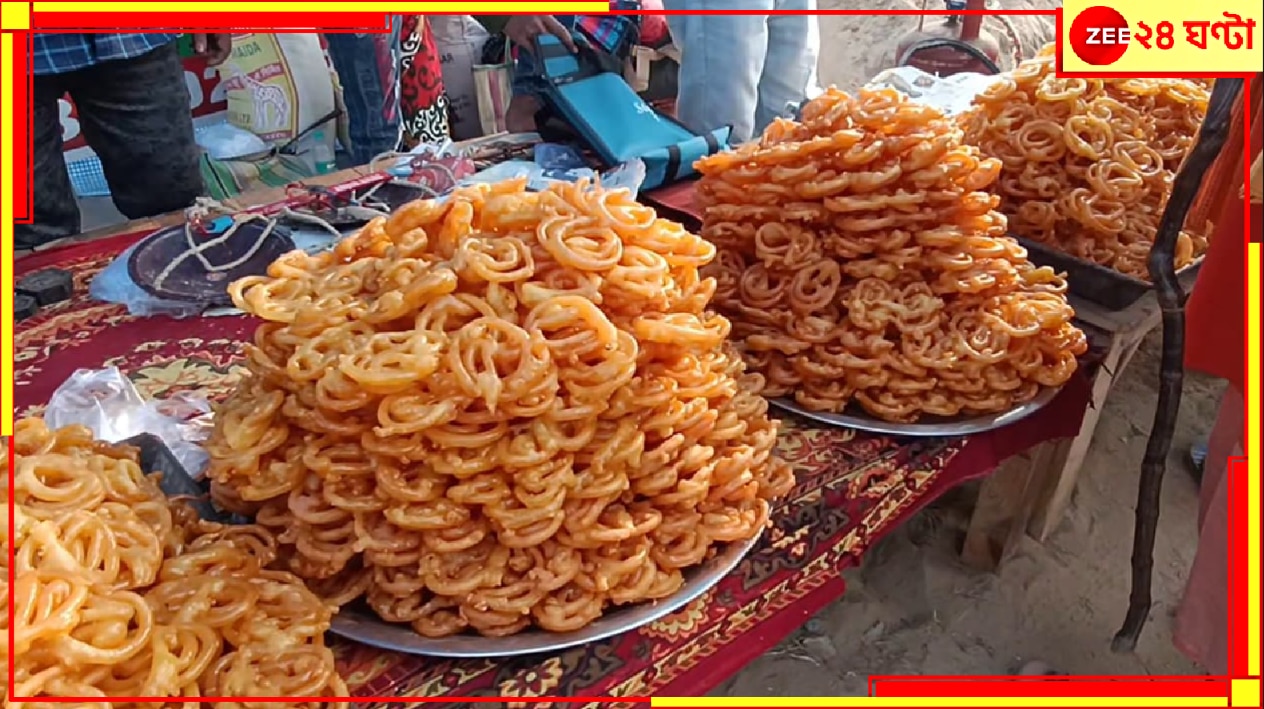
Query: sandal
pixel 1198 459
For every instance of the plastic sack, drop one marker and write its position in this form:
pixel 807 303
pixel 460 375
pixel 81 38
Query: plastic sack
pixel 115 285
pixel 278 84
pixel 458 41
pixel 107 402
pixel 553 156
pixel 225 141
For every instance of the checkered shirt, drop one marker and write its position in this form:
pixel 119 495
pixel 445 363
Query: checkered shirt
pixel 61 53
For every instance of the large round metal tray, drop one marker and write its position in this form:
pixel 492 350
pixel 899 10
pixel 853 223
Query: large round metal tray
pixel 929 426
pixel 359 624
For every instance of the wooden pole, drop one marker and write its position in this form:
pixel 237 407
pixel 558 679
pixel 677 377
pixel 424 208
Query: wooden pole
pixel 1207 147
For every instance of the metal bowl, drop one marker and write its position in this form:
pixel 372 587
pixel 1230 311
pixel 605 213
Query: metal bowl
pixel 928 426
pixel 360 624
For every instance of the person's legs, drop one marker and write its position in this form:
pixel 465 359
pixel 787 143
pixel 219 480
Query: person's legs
pixel 1224 442
pixel 56 211
pixel 368 69
pixel 722 59
pixel 789 76
pixel 135 114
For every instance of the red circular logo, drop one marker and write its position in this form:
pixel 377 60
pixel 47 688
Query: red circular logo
pixel 1099 35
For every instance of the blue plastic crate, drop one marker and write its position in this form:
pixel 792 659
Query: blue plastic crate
pixel 88 178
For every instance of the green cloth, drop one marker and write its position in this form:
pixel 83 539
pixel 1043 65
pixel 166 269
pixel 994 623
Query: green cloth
pixel 228 178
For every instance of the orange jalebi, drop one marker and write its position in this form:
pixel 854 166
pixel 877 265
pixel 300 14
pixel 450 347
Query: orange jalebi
pixel 500 410
pixel 119 592
pixel 861 261
pixel 1089 163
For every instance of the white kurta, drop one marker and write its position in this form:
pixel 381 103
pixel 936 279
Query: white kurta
pixel 743 70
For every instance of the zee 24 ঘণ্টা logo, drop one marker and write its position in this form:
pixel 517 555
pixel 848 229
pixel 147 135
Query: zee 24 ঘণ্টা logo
pixel 1100 35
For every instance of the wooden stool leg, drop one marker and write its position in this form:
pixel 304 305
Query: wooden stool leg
pixel 1006 501
pixel 1060 482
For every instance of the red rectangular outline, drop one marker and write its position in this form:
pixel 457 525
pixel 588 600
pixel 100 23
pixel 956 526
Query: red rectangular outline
pixel 1062 73
pixel 973 683
pixel 23 135
pixel 1238 583
pixel 202 21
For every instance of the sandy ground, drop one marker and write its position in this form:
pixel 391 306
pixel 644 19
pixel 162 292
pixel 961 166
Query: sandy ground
pixel 912 607
pixel 855 48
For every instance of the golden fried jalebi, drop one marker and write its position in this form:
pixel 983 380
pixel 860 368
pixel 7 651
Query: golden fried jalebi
pixel 501 410
pixel 1089 163
pixel 119 592
pixel 878 272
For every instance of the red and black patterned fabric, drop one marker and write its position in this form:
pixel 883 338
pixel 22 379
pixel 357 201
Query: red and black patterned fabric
pixel 422 101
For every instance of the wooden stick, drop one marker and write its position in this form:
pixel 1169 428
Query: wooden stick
pixel 1211 139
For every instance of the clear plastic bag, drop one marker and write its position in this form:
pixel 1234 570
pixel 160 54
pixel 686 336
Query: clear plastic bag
pixel 952 94
pixel 225 141
pixel 629 175
pixel 106 401
pixel 115 285
pixel 552 156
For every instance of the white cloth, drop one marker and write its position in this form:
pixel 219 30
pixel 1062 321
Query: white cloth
pixel 743 70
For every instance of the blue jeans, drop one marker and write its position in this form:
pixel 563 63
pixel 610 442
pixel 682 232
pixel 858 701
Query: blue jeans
pixel 368 69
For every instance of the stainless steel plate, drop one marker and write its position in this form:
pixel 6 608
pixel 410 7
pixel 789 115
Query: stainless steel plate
pixel 930 426
pixel 362 626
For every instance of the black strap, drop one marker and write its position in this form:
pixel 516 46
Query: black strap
pixel 673 162
pixel 957 44
pixel 675 159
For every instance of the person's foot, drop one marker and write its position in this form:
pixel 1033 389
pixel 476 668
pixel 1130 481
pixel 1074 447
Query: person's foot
pixel 1198 459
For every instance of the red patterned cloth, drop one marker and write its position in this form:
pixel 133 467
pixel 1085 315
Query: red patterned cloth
pixel 423 105
pixel 853 487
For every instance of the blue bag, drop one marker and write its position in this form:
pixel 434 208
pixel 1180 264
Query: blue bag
pixel 613 120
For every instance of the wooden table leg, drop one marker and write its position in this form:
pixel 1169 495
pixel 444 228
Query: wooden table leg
pixel 1064 469
pixel 1006 501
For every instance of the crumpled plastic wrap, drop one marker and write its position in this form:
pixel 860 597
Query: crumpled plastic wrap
pixel 950 94
pixel 629 175
pixel 107 402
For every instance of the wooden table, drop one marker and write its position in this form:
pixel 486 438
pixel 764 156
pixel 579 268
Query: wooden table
pixel 1031 493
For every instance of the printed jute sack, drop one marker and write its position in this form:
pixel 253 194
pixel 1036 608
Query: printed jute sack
pixel 459 40
pixel 279 85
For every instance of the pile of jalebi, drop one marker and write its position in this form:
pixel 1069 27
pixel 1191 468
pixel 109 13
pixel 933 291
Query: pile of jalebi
pixel 861 261
pixel 119 592
pixel 1089 163
pixel 499 410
